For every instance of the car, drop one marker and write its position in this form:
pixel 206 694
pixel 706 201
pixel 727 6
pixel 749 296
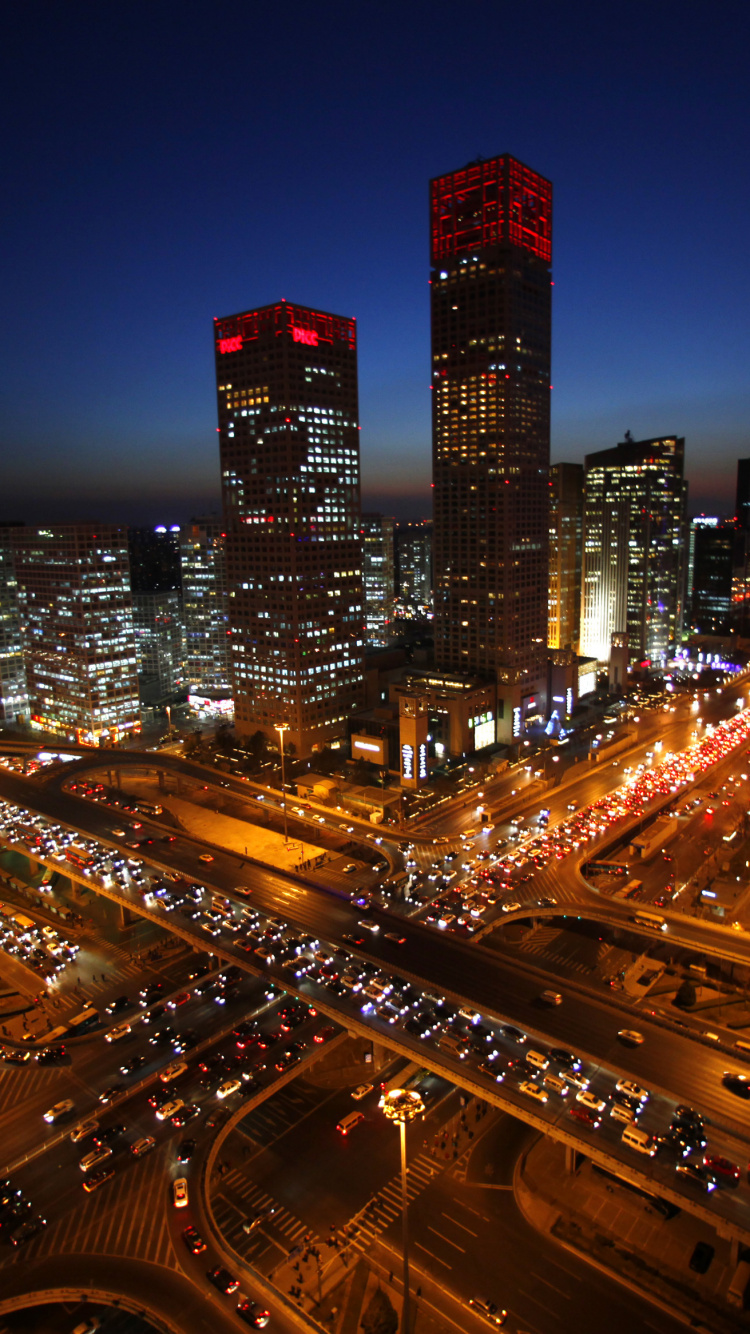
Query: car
pixel 168 1109
pixel 115 1034
pixel 59 1109
pixel 98 1179
pixel 585 1117
pixel 253 1314
pixel 229 1087
pixel 109 1134
pixel 111 1092
pixel 491 1312
pixel 173 1071
pixel 223 1280
pixel 51 1055
pixel 697 1175
pixel 181 998
pixel 703 1254
pixel 135 1063
pixel 27 1229
pixel 630 1036
pixel 259 1216
pixel 119 1004
pixel 186 1114
pixel 361 1091
pixel 142 1146
pixel 533 1090
pixel 722 1167
pixel 94 1158
pixel 632 1090
pixel 514 1034
pixel 193 1240
pixel 687 1115
pixel 185 1150
pixel 325 1033
pixel 205 857
pixel 180 1193
pixel 736 1083
pixel 83 1130
pixel 16 1055
pixel 567 1059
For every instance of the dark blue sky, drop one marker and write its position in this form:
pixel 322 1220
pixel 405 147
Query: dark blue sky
pixel 167 163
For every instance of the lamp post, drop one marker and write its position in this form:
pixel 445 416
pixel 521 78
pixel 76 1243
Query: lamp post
pixel 169 720
pixel 402 1106
pixel 281 728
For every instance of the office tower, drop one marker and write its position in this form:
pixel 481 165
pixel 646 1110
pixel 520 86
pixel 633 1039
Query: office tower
pixel 565 553
pixel 157 609
pixel 13 694
pixel 77 623
pixel 205 605
pixel 289 442
pixel 491 249
pixel 414 564
pixel 154 559
pixel 634 548
pixel 712 556
pixel 378 577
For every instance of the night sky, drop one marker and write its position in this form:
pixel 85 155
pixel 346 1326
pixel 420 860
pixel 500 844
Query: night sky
pixel 164 164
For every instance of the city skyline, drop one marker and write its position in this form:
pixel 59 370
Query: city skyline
pixel 135 178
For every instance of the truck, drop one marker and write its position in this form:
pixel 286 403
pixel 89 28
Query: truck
pixel 738 1287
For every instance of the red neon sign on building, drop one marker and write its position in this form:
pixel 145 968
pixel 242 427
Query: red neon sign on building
pixel 230 344
pixel 304 336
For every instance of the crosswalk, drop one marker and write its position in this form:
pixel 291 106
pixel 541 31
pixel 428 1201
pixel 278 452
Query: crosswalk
pixel 271 1118
pixel 127 1217
pixel 383 1208
pixel 540 943
pixel 240 1197
pixel 19 1082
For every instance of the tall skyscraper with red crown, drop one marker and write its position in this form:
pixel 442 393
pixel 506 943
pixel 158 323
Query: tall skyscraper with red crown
pixel 491 251
pixel 286 382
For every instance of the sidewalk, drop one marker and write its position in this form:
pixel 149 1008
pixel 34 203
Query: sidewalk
pixel 618 1230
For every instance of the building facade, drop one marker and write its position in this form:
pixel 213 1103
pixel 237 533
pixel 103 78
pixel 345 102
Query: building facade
pixel 634 548
pixel 565 555
pixel 713 544
pixel 289 442
pixel 77 621
pixel 13 693
pixel 491 250
pixel 203 568
pixel 378 578
pixel 414 566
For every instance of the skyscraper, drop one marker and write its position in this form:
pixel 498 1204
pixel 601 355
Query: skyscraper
pixel 77 622
pixel 634 549
pixel 204 604
pixel 491 250
pixel 712 556
pixel 289 441
pixel 565 542
pixel 414 564
pixel 378 577
pixel 13 695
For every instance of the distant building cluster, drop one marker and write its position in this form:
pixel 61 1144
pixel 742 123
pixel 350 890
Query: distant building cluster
pixel 315 624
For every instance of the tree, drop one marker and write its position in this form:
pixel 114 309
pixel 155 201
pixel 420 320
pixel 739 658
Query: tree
pixel 380 1317
pixel 686 996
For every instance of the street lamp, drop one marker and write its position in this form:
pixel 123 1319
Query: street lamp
pixel 402 1106
pixel 169 719
pixel 281 728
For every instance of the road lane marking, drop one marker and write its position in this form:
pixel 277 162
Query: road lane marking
pixel 484 1217
pixel 442 1237
pixel 542 1279
pixel 432 1257
pixel 463 1226
pixel 536 1301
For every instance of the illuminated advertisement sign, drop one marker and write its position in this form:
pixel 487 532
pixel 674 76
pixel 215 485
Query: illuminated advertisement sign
pixel 484 734
pixel 368 748
pixel 586 683
pixel 230 344
pixel 423 760
pixel 569 699
pixel 517 722
pixel 407 762
pixel 308 336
